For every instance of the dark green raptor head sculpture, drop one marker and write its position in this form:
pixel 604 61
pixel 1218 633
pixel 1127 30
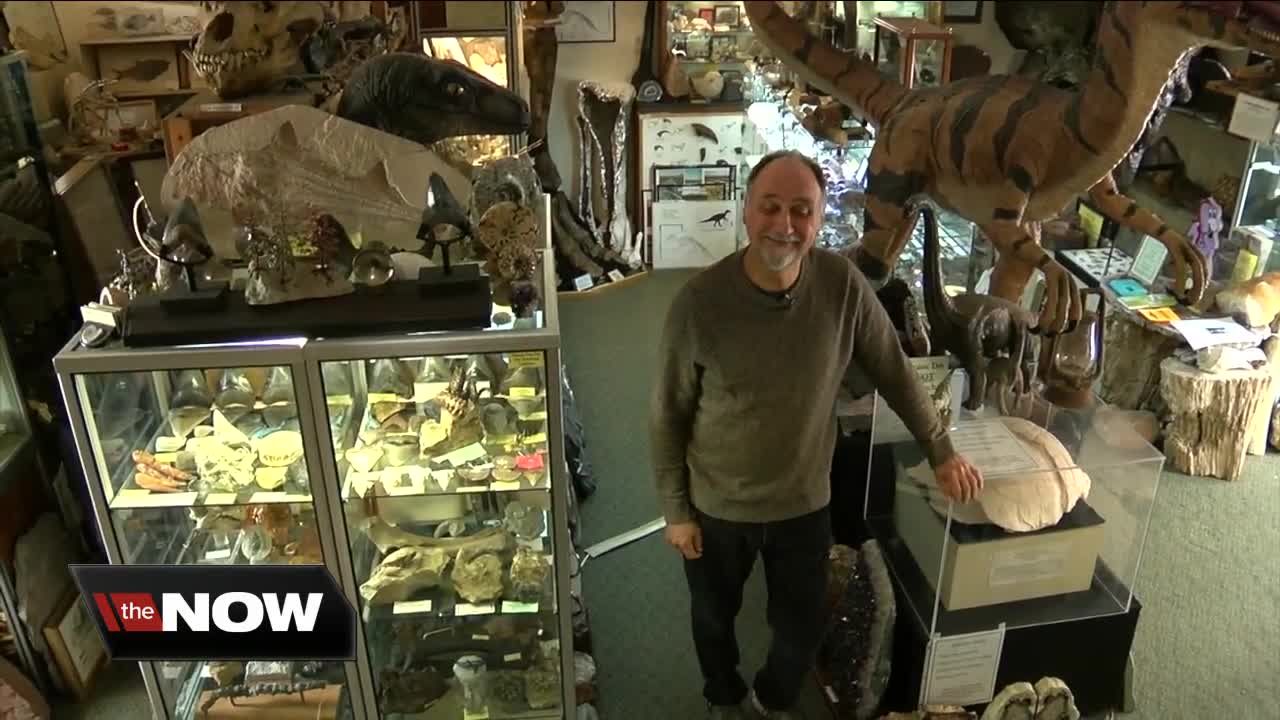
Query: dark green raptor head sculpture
pixel 425 100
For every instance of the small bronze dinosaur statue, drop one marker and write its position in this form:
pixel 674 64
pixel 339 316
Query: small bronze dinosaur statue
pixel 425 100
pixel 989 336
pixel 1007 152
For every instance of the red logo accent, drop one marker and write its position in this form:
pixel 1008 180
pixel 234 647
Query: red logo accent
pixel 104 609
pixel 138 612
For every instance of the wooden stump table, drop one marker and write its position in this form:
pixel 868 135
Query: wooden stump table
pixel 1131 364
pixel 1211 416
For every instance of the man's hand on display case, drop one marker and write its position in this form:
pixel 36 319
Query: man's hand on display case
pixel 687 538
pixel 958 478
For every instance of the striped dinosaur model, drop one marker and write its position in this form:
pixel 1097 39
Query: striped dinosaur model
pixel 1007 152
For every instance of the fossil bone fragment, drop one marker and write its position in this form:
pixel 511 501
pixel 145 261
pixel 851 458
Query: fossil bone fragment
pixel 368 180
pixel 404 572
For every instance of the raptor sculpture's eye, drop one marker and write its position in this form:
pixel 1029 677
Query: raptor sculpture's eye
pixel 455 90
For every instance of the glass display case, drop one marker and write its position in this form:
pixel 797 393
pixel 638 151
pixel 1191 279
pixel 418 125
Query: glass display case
pixel 447 452
pixel 1056 534
pixel 1255 219
pixel 425 471
pixel 479 35
pixel 208 455
pixel 21 496
pixel 710 37
pixel 869 10
pixel 915 52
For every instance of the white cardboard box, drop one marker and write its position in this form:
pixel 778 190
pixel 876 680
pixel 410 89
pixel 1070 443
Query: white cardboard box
pixel 1014 567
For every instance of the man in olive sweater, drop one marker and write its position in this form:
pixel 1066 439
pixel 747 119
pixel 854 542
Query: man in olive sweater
pixel 743 429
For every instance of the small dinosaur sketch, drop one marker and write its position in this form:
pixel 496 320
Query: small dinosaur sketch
pixel 718 219
pixel 663 132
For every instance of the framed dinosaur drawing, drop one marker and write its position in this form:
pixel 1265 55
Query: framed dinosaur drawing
pixel 1007 152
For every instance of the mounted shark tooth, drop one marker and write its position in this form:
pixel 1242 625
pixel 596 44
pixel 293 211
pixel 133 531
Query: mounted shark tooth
pixel 235 394
pixel 278 396
pixel 226 432
pixel 364 458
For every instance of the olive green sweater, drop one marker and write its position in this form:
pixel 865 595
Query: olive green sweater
pixel 742 418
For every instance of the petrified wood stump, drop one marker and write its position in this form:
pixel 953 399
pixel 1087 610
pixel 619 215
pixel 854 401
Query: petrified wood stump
pixel 1131 366
pixel 1210 417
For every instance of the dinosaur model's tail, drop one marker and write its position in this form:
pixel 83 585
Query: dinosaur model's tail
pixel 846 77
pixel 937 304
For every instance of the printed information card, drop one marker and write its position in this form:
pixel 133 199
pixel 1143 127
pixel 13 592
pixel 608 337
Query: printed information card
pixel 961 669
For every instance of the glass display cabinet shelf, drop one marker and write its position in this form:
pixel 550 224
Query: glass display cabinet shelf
pixel 453 507
pixel 446 457
pixel 207 455
pixel 424 471
pixel 1055 535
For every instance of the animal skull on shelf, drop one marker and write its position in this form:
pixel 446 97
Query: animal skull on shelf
pixel 246 46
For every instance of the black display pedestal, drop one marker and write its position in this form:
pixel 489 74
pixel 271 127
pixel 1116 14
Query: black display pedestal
pixel 1090 656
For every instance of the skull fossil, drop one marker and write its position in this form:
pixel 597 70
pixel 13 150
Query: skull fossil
pixel 246 46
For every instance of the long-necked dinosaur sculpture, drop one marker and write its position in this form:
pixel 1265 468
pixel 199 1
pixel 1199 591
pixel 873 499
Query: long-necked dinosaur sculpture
pixel 1007 152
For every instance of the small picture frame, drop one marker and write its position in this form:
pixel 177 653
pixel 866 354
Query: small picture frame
pixel 726 15
pixel 76 645
pixel 708 14
pixel 962 12
pixel 724 48
pixel 698 47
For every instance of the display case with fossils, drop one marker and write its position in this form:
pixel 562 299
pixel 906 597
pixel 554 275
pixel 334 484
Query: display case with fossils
pixel 452 515
pixel 424 470
pixel 1055 534
pixel 205 455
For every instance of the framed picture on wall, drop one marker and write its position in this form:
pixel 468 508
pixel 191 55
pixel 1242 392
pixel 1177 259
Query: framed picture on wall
pixel 76 646
pixel 587 21
pixel 962 12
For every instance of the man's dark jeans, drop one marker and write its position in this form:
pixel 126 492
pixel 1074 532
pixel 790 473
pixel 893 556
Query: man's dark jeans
pixel 795 567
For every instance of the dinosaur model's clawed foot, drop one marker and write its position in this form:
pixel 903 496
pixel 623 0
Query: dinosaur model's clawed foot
pixel 1063 304
pixel 1185 258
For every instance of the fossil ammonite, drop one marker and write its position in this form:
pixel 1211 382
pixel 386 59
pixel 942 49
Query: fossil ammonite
pixel 506 224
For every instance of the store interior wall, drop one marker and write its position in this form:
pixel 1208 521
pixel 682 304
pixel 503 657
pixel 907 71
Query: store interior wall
pixel 600 62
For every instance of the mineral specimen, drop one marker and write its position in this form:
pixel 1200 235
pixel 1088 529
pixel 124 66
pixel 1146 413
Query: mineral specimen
pixel 477 575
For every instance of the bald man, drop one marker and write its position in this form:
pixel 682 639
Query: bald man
pixel 742 423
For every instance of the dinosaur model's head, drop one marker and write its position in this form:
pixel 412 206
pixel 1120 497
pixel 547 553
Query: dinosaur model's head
pixel 1251 24
pixel 425 100
pixel 246 46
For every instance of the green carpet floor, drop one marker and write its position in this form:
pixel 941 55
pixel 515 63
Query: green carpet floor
pixel 1208 645
pixel 1208 642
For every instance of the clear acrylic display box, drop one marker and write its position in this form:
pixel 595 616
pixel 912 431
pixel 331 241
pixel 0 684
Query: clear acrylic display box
pixel 1056 534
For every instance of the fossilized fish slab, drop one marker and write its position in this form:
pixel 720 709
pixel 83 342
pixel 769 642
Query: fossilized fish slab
pixel 282 165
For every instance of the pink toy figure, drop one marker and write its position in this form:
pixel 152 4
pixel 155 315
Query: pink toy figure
pixel 1203 233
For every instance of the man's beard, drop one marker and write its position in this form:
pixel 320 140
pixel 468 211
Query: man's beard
pixel 777 258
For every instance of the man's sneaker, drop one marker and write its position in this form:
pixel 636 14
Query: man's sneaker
pixel 727 712
pixel 767 714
